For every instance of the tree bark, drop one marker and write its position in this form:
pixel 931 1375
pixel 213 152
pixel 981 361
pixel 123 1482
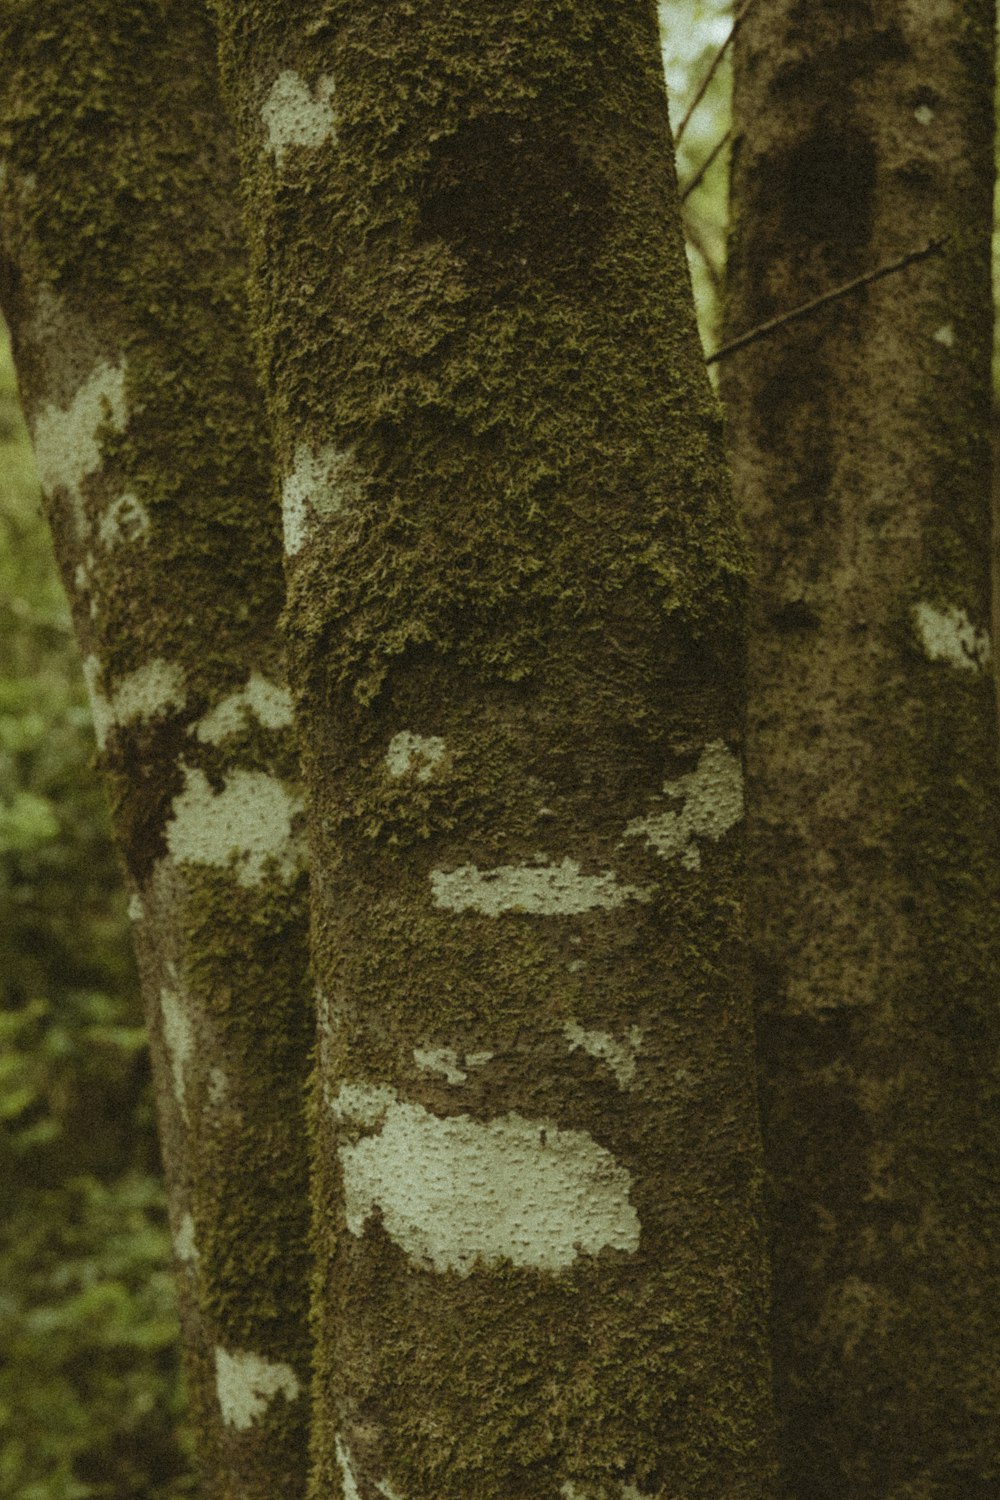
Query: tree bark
pixel 123 283
pixel 860 444
pixel 516 614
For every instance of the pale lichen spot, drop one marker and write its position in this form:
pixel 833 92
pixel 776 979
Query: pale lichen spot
pixel 538 890
pixel 949 635
pixel 246 1383
pixel 364 1104
pixel 178 1034
pixel 418 754
pixel 218 1087
pixel 136 910
pixel 478 1059
pixel 348 1482
pixel 440 1060
pixel 385 1488
pixel 712 801
pixel 455 1192
pixel 620 1056
pixel 126 520
pixel 143 694
pixel 269 703
pixel 101 711
pixel 923 114
pixel 295 115
pixel 65 439
pixel 945 335
pixel 185 1245
pixel 320 483
pixel 245 825
pixel 149 691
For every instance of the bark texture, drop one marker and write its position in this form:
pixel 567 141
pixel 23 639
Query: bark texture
pixel 123 283
pixel 515 613
pixel 860 443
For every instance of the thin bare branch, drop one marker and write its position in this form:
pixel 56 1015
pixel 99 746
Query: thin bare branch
pixel 700 91
pixel 698 177
pixel 698 245
pixel 763 329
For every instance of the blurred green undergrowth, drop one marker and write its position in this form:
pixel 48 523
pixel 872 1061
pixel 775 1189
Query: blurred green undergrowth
pixel 90 1403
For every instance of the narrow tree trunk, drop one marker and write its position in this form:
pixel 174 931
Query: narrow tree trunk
pixel 860 442
pixel 516 602
pixel 123 288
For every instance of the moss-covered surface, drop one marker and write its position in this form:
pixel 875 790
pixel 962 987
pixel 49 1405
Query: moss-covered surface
pixel 121 246
pixel 479 291
pixel 860 448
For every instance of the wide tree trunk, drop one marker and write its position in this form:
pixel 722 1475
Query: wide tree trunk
pixel 123 286
pixel 860 444
pixel 516 615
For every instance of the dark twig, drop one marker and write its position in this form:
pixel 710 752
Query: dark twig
pixel 763 329
pixel 699 93
pixel 694 181
pixel 699 247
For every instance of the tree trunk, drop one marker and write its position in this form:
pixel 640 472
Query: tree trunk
pixel 123 286
pixel 860 443
pixel 516 606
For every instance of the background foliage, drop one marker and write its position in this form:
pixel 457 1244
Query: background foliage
pixel 90 1404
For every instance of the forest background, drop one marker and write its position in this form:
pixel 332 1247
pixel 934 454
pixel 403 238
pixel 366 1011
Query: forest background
pixel 91 1402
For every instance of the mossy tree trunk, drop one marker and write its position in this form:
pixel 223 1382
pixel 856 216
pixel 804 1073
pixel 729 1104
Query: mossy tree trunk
pixel 860 443
pixel 123 286
pixel 516 622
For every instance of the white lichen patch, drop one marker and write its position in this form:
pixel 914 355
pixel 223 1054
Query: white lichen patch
pixel 321 482
pixel 712 801
pixel 440 1060
pixel 456 1192
pixel 364 1104
pixel 620 1056
pixel 126 520
pixel 347 1479
pixel 143 694
pixel 949 635
pixel 218 1087
pixel 537 890
pixel 149 691
pixel 178 1035
pixel 246 1383
pixel 418 754
pixel 136 910
pixel 923 114
pixel 185 1245
pixel 101 711
pixel 945 335
pixel 478 1059
pixel 66 442
pixel 269 703
pixel 244 826
pixel 295 115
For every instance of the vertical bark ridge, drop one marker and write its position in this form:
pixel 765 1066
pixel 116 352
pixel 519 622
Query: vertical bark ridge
pixel 515 616
pixel 860 447
pixel 124 287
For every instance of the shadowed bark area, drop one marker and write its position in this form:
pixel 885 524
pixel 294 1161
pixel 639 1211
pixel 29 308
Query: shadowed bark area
pixel 516 624
pixel 122 281
pixel 860 444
